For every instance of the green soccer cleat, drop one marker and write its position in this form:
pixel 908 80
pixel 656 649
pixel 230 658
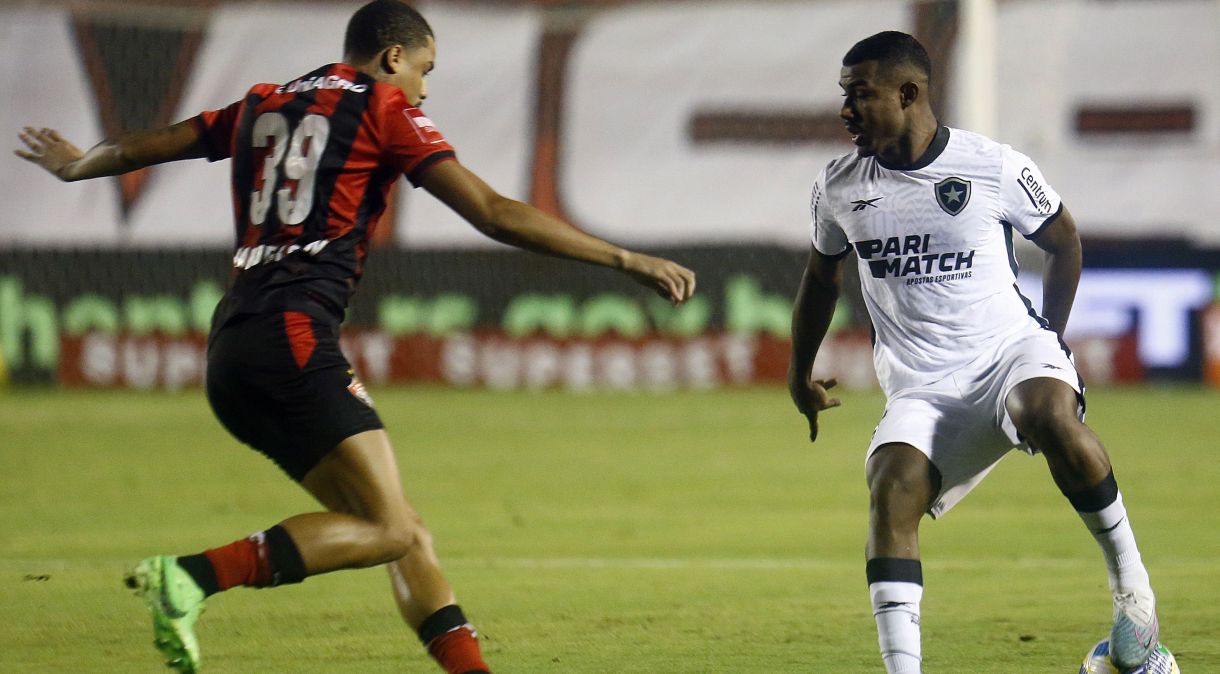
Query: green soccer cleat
pixel 176 602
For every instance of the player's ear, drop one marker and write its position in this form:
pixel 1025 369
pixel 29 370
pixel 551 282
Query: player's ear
pixel 909 93
pixel 391 59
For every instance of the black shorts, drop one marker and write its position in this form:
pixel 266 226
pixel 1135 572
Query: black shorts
pixel 279 383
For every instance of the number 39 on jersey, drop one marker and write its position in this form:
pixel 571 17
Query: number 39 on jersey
pixel 294 156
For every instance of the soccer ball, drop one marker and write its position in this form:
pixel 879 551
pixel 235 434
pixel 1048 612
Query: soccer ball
pixel 1098 661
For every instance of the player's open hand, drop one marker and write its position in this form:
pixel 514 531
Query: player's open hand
pixel 811 396
pixel 669 279
pixel 49 150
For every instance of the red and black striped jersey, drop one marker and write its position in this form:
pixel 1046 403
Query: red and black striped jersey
pixel 313 162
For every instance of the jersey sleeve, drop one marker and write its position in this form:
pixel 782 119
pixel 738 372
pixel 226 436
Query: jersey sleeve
pixel 216 129
pixel 828 237
pixel 412 143
pixel 1029 203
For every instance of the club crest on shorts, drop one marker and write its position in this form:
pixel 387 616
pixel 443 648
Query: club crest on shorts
pixel 356 388
pixel 952 194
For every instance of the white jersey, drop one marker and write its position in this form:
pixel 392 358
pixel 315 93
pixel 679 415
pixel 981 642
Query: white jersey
pixel 934 243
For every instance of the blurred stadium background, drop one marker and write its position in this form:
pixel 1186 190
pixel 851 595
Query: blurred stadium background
pixel 615 532
pixel 693 129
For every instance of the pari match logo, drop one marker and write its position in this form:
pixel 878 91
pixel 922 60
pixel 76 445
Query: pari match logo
pixel 911 257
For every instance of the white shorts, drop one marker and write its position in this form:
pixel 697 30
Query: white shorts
pixel 961 422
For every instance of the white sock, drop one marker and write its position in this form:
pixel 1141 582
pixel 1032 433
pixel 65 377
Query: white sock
pixel 896 609
pixel 1112 531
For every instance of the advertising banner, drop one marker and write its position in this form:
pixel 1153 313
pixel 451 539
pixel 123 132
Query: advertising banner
pixel 1211 345
pixel 508 320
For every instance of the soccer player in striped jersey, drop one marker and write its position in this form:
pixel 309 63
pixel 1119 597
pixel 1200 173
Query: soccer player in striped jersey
pixel 313 162
pixel 969 370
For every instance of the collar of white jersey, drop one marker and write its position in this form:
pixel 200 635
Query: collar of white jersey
pixel 935 148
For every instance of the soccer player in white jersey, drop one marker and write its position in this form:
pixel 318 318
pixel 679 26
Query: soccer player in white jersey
pixel 970 371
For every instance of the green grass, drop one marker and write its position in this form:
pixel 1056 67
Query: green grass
pixel 594 533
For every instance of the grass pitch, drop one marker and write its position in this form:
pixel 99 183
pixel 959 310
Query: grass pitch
pixel 689 532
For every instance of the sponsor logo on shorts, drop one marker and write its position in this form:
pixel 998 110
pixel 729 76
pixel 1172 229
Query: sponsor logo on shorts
pixel 356 388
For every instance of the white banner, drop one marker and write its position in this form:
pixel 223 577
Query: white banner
pixel 482 98
pixel 639 75
pixel 45 84
pixel 636 77
pixel 1055 57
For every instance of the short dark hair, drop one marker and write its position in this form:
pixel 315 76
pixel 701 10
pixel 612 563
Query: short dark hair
pixel 381 24
pixel 890 48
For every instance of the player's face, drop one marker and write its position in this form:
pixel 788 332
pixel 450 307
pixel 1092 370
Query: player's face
pixel 872 109
pixel 413 68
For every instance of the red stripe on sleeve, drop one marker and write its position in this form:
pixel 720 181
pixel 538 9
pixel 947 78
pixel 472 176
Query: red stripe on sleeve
pixel 216 128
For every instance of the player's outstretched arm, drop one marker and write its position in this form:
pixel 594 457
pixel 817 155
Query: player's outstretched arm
pixel 1062 274
pixel 524 226
pixel 125 152
pixel 811 315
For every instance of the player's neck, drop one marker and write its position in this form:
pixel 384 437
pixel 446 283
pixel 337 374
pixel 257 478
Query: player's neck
pixel 367 67
pixel 912 145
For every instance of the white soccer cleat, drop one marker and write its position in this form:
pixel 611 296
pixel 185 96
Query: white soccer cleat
pixel 1135 632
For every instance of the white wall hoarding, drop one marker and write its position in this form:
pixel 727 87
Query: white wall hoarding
pixel 636 74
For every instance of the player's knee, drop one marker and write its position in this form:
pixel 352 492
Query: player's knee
pixel 901 484
pixel 406 538
pixel 1046 410
pixel 1052 430
pixel 896 498
pixel 394 543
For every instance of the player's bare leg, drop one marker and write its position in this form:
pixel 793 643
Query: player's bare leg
pixel 372 522
pixel 1044 411
pixel 420 588
pixel 902 483
pixel 369 522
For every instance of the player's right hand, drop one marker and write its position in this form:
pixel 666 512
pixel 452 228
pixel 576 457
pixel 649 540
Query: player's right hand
pixel 811 396
pixel 668 279
pixel 49 150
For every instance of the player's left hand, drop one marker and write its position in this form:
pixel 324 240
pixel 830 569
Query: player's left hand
pixel 49 150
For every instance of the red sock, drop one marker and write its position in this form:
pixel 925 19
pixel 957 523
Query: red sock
pixel 242 562
pixel 457 651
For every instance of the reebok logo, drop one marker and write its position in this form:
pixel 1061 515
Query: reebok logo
pixel 862 204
